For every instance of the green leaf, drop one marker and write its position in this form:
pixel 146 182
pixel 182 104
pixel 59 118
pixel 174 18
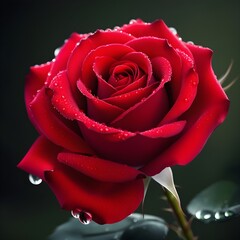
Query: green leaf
pixel 149 227
pixel 219 202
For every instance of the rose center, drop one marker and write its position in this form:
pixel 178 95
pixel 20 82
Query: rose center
pixel 123 73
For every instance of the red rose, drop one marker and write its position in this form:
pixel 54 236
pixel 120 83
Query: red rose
pixel 116 106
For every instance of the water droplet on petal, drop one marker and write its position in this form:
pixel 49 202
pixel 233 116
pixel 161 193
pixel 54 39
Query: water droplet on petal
pixel 190 42
pixel 194 83
pixel 85 217
pixel 34 179
pixel 173 30
pixel 132 21
pixel 116 28
pixel 56 52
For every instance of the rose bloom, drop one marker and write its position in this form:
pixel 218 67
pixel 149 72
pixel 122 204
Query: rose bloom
pixel 116 106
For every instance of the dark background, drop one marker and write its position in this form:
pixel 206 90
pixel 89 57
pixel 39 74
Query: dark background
pixel 32 30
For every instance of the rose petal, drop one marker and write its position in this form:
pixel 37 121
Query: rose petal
pixel 60 62
pixel 52 125
pixel 129 99
pixel 100 169
pixel 76 191
pixel 156 29
pixel 188 91
pixel 131 87
pixel 93 41
pixel 142 61
pixel 101 68
pixel 202 118
pixel 155 48
pixel 98 109
pixel 165 131
pixel 34 82
pixel 157 100
pixel 113 50
pixel 41 157
pixel 123 146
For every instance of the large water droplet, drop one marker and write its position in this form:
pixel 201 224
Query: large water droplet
pixel 85 217
pixel 75 213
pixel 34 179
pixel 82 216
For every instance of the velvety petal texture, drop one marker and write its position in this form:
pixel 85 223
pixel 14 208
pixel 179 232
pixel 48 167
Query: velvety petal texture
pixel 116 106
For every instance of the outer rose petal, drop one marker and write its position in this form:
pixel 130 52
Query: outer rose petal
pixel 100 169
pixel 207 112
pixel 53 126
pixel 107 202
pixel 34 82
pixel 156 29
pixel 41 157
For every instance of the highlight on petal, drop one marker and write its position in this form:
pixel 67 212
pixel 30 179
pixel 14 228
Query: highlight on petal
pixel 165 131
pixel 105 201
pixel 100 169
pixel 165 179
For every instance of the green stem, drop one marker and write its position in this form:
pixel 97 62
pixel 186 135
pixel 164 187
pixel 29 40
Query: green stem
pixel 179 214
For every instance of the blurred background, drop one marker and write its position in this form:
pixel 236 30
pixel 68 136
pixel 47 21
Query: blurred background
pixel 32 30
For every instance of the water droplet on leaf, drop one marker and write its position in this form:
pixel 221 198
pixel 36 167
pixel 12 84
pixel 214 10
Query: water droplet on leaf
pixel 220 201
pixel 205 215
pixel 34 179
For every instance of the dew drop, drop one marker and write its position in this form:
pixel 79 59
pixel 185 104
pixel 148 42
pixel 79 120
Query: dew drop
pixel 173 30
pixel 190 42
pixel 204 215
pixel 85 217
pixel 132 21
pixel 219 215
pixel 56 52
pixel 34 179
pixel 194 83
pixel 228 214
pixel 116 28
pixel 186 99
pixel 75 213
